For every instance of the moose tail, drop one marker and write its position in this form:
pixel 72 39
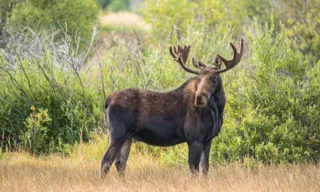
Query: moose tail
pixel 105 119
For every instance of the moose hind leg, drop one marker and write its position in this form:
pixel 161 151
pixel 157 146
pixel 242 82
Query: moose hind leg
pixel 122 157
pixel 109 157
pixel 119 133
pixel 195 149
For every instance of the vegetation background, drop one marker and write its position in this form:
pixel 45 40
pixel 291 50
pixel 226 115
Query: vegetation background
pixel 60 59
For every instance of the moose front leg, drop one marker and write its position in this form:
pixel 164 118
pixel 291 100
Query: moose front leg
pixel 195 149
pixel 205 157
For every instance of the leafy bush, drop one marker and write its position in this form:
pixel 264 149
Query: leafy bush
pixel 47 102
pixel 270 116
pixel 119 5
pixel 174 13
pixel 35 136
pixel 104 3
pixel 76 18
pixel 115 5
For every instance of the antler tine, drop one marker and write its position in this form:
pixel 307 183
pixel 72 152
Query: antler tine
pixel 180 55
pixel 184 52
pixel 173 53
pixel 236 58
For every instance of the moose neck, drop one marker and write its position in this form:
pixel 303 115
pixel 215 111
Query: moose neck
pixel 188 86
pixel 219 88
pixel 188 90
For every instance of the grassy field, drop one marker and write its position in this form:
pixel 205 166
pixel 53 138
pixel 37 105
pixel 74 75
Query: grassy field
pixel 20 172
pixel 80 172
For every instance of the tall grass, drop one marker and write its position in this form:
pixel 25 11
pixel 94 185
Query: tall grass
pixel 21 172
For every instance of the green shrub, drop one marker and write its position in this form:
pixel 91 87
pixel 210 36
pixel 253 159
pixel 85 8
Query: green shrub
pixel 76 18
pixel 270 115
pixel 119 5
pixel 104 3
pixel 174 13
pixel 36 130
pixel 37 74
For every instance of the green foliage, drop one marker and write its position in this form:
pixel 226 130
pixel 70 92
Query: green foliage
pixel 6 8
pixel 174 13
pixel 48 80
pixel 77 18
pixel 115 5
pixel 36 131
pixel 119 5
pixel 306 31
pixel 270 115
pixel 104 3
pixel 210 14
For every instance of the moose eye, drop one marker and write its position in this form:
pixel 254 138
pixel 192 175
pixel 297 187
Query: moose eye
pixel 213 78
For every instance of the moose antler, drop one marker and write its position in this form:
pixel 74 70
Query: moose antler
pixel 180 55
pixel 236 58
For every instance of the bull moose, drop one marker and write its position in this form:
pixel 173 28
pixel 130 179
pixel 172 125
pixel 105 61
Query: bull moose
pixel 192 113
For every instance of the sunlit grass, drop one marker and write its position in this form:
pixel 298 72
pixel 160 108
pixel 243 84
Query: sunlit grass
pixel 122 21
pixel 21 172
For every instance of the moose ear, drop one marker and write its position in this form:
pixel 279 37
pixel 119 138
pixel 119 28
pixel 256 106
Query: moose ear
pixel 198 64
pixel 217 63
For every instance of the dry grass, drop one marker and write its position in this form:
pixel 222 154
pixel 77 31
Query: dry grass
pixel 123 19
pixel 20 172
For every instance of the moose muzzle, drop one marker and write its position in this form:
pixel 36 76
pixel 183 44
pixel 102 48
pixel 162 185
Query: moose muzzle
pixel 201 99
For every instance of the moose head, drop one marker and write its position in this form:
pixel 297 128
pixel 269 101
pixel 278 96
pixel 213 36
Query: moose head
pixel 208 76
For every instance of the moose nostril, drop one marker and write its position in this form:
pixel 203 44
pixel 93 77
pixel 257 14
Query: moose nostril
pixel 204 95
